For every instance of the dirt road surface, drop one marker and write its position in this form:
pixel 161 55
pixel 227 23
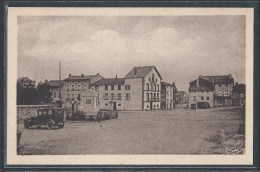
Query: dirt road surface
pixel 179 131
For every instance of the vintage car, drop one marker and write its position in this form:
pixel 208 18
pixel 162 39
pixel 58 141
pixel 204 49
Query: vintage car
pixel 107 114
pixel 49 117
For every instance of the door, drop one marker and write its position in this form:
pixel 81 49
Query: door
pixel 114 105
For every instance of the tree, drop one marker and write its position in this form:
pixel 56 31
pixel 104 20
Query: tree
pixel 26 91
pixel 43 93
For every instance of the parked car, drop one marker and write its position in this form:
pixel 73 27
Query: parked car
pixel 49 117
pixel 107 114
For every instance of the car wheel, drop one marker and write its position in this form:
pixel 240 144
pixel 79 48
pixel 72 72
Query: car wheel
pixel 49 125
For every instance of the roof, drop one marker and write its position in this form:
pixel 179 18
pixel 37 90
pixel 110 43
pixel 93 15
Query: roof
pixel 166 83
pixel 81 77
pixel 141 72
pixel 201 88
pixel 110 81
pixel 55 83
pixel 219 79
pixel 201 84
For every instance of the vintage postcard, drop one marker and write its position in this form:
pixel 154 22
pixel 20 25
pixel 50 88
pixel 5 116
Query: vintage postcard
pixel 130 86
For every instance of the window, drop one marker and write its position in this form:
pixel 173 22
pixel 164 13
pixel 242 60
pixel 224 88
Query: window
pixel 127 96
pixel 106 87
pixel 119 87
pixel 44 112
pixel 49 112
pixel 194 98
pixel 153 77
pixel 112 87
pixel 59 95
pixel 106 96
pixel 219 85
pixel 73 87
pixel 147 87
pixel 85 86
pixel 119 96
pixel 202 98
pixel 167 93
pixel 88 101
pixel 219 93
pixel 40 112
pixel 226 92
pixel 106 104
pixel 112 96
pixel 78 98
pixel 158 87
pixel 158 97
pixel 226 85
pixel 151 87
pixel 119 104
pixel 208 98
pixel 157 105
pixel 68 95
pixel 147 106
pixel 127 87
pixel 154 96
pixel 68 87
pixel 72 95
pixel 147 97
pixel 151 96
pixel 78 86
pixel 54 94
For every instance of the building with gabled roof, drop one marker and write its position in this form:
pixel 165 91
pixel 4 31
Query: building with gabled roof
pixel 220 85
pixel 143 88
pixel 111 93
pixel 201 93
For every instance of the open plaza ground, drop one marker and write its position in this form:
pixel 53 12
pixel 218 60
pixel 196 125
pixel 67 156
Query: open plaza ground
pixel 178 131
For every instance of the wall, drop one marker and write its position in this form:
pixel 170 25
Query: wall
pixel 154 88
pixel 198 96
pixel 105 102
pixel 135 102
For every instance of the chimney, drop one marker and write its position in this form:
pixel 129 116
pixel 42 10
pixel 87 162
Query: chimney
pixel 69 75
pixel 82 75
pixel 97 73
pixel 116 76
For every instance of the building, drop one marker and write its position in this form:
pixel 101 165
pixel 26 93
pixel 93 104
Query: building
pixel 111 93
pixel 239 94
pixel 167 101
pixel 223 86
pixel 201 93
pixel 74 87
pixel 182 97
pixel 55 88
pixel 143 88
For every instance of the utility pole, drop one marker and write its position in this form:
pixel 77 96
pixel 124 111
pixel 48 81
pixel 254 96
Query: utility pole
pixel 60 104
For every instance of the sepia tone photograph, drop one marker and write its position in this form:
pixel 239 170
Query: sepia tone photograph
pixel 131 85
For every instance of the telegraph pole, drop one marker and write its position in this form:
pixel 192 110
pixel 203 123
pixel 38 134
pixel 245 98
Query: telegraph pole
pixel 60 84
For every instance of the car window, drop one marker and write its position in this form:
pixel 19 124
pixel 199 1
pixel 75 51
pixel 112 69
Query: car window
pixel 44 112
pixel 59 112
pixel 49 112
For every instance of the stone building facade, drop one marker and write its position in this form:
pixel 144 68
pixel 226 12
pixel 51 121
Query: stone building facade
pixel 111 93
pixel 167 101
pixel 74 87
pixel 143 88
pixel 201 93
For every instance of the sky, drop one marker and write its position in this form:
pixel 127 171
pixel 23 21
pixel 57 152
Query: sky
pixel 181 47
